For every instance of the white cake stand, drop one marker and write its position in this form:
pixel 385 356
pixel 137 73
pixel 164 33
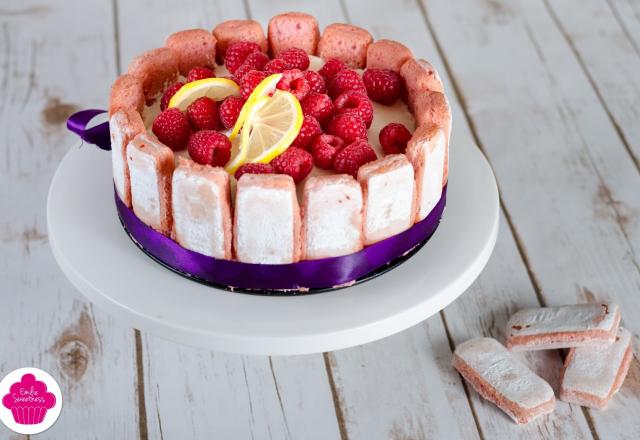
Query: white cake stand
pixel 98 257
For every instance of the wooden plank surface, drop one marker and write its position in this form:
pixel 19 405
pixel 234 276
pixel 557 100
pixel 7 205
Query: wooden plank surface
pixel 558 153
pixel 44 78
pixel 566 164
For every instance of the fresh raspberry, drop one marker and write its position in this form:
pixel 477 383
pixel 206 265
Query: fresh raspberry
pixel 316 81
pixel 237 52
pixel 198 73
pixel 256 60
pixel 383 86
pixel 168 94
pixel 344 81
pixel 241 71
pixel 250 82
pixel 324 150
pixel 203 114
pixel 295 162
pixel 229 110
pixel 353 101
pixel 394 137
pixel 348 126
pixel 330 68
pixel 295 58
pixel 309 131
pixel 293 81
pixel 352 157
pixel 319 106
pixel 171 127
pixel 254 168
pixel 209 147
pixel 275 66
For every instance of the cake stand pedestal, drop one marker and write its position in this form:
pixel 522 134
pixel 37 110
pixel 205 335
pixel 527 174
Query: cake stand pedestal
pixel 97 256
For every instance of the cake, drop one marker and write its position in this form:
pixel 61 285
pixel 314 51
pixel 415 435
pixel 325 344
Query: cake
pixel 279 148
pixel 28 400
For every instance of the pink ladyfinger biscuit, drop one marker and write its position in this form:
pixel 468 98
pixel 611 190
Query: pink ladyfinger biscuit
pixel 432 108
pixel 562 327
pixel 124 125
pixel 387 54
pixel 293 29
pixel 419 76
pixel 195 48
pixel 331 217
pixel 126 93
pixel 155 68
pixel 426 151
pixel 388 187
pixel 593 374
pixel 503 380
pixel 345 42
pixel 231 31
pixel 151 166
pixel 267 220
pixel 201 209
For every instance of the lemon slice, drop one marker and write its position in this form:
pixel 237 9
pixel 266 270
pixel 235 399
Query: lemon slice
pixel 271 125
pixel 214 88
pixel 266 87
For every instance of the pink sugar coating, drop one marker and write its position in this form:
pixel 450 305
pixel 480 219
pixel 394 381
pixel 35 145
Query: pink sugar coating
pixel 30 384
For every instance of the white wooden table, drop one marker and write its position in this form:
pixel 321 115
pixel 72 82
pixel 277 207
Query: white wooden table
pixel 550 90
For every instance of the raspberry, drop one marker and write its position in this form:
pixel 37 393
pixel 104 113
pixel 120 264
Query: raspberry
pixel 316 81
pixel 171 127
pixel 241 72
pixel 198 73
pixel 168 94
pixel 275 66
pixel 324 150
pixel 348 126
pixel 203 114
pixel 256 60
pixel 229 110
pixel 330 68
pixel 237 52
pixel 357 102
pixel 295 162
pixel 253 168
pixel 394 137
pixel 209 147
pixel 293 81
pixel 295 58
pixel 250 82
pixel 344 81
pixel 352 157
pixel 319 106
pixel 383 86
pixel 309 131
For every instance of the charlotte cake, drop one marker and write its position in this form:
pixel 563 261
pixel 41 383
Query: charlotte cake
pixel 256 218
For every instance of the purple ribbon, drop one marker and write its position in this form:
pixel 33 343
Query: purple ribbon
pixel 313 274
pixel 98 135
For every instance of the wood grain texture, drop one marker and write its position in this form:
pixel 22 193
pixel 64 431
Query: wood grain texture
pixel 609 60
pixel 558 153
pixel 44 78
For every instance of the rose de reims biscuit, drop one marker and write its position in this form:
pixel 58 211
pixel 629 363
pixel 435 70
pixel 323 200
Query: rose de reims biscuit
pixel 562 327
pixel 502 379
pixel 594 373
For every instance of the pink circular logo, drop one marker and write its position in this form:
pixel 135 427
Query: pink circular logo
pixel 31 400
